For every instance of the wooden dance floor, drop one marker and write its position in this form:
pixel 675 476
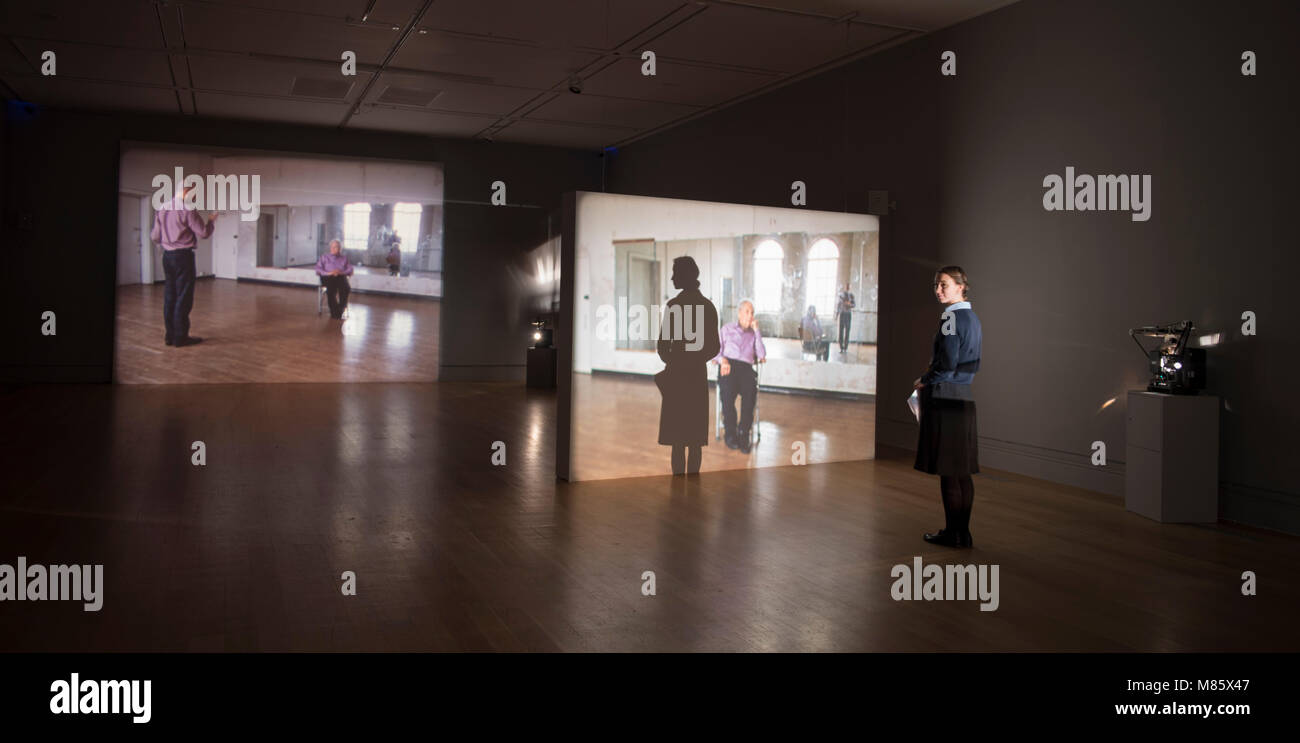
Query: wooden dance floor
pixel 616 429
pixel 266 333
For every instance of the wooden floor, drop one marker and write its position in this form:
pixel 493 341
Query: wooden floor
pixel 395 482
pixel 616 429
pixel 266 333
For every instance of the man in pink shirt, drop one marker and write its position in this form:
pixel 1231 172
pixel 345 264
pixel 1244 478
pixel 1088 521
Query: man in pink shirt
pixel 334 270
pixel 178 230
pixel 741 349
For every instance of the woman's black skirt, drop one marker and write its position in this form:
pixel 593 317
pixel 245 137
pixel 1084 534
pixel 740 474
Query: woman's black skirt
pixel 948 443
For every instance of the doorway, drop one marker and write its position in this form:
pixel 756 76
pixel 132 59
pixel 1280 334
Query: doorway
pixel 130 247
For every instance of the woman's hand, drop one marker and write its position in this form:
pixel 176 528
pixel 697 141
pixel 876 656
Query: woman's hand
pixel 918 384
pixel 724 368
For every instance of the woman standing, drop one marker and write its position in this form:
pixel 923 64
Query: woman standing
pixel 688 341
pixel 948 445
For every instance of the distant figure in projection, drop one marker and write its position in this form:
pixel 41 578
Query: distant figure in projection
pixel 334 270
pixel 395 257
pixel 814 338
pixel 844 305
pixel 741 351
pixel 688 339
pixel 178 230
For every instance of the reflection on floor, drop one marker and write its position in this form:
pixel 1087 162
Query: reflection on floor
pixel 377 271
pixel 395 483
pixel 616 429
pixel 264 333
pixel 792 348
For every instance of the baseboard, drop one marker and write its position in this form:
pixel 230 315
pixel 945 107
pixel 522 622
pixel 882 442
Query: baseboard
pixel 159 282
pixel 899 434
pixel 1066 468
pixel 1267 509
pixel 1241 504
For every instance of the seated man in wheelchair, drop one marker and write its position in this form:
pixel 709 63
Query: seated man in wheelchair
pixel 814 338
pixel 742 348
pixel 334 270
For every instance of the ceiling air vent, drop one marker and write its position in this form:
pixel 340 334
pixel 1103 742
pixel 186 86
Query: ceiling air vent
pixel 408 96
pixel 312 88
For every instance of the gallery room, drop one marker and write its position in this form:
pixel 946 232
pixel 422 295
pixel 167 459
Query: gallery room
pixel 654 326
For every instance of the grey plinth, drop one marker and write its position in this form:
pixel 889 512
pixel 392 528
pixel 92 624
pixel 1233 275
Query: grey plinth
pixel 1172 473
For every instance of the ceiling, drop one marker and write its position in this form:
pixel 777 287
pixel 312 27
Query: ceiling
pixel 491 69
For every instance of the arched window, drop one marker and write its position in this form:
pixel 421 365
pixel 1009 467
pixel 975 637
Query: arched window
pixel 823 276
pixel 769 276
pixel 356 226
pixel 406 223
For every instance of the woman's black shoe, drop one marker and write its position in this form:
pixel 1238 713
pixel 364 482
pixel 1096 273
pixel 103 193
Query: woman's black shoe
pixel 965 540
pixel 943 537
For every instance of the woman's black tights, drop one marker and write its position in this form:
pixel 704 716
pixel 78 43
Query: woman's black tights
pixel 958 493
pixel 686 459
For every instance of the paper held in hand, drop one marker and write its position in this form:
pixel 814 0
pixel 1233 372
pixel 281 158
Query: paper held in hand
pixel 914 402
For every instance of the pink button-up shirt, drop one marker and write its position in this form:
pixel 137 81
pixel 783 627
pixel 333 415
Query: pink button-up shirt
pixel 741 345
pixel 178 228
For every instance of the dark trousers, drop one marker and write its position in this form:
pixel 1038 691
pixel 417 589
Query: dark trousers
pixel 178 294
pixel 337 290
pixel 741 381
pixel 846 320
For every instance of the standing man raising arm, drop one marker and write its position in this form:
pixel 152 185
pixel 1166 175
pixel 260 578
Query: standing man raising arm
pixel 178 230
pixel 844 305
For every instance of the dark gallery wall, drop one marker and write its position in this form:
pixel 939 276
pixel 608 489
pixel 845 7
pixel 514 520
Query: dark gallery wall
pixel 59 189
pixel 1108 87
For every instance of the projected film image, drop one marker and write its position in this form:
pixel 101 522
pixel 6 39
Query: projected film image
pixel 715 336
pixel 272 267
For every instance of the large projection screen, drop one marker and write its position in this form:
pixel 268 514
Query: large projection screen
pixel 806 350
pixel 254 278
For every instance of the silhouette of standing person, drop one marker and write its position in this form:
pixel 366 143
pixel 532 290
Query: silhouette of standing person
pixel 688 340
